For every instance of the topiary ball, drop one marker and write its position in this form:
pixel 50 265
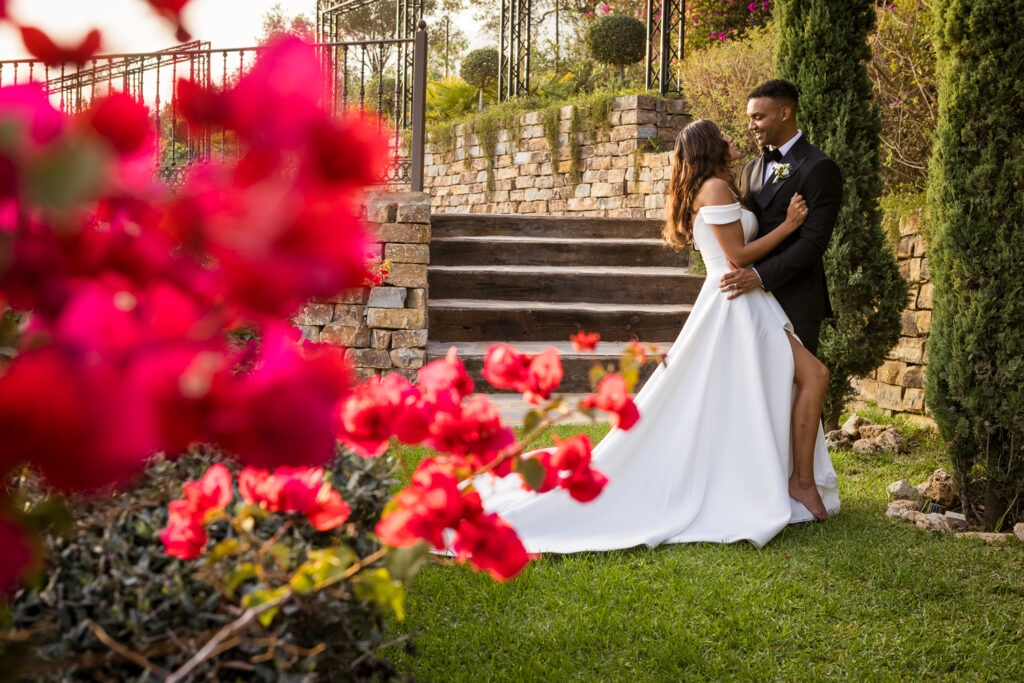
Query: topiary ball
pixel 480 67
pixel 616 39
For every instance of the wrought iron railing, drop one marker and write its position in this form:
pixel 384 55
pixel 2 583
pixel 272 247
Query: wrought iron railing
pixel 358 75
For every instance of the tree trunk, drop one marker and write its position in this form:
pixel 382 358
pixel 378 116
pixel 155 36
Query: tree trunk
pixel 480 101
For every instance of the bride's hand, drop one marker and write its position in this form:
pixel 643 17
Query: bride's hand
pixel 797 211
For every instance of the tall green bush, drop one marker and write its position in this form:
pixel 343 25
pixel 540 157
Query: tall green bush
pixel 975 386
pixel 480 69
pixel 821 46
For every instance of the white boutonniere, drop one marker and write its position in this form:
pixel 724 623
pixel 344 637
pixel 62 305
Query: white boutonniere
pixel 782 171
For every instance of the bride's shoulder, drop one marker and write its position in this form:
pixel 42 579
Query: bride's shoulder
pixel 715 191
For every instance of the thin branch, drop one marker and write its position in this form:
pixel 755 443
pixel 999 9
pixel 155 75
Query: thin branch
pixel 120 649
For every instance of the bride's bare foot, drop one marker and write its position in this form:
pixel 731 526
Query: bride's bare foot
pixel 808 495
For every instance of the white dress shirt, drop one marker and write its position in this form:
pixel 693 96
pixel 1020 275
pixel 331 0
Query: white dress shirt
pixel 784 150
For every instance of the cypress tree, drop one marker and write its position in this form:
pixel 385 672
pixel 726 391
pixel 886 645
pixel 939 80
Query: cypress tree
pixel 821 46
pixel 975 386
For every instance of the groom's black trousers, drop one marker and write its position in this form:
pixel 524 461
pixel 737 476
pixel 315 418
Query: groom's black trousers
pixel 808 334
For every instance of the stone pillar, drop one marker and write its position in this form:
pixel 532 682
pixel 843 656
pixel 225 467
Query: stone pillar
pixel 384 328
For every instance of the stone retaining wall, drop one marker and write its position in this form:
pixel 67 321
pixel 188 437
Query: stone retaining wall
pixel 897 386
pixel 385 327
pixel 621 173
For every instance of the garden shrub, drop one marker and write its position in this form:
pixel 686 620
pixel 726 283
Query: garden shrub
pixel 822 47
pixel 616 39
pixel 480 69
pixel 975 387
pixel 902 70
pixel 716 83
pixel 113 569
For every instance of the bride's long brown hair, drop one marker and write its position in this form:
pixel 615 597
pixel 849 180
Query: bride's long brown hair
pixel 700 153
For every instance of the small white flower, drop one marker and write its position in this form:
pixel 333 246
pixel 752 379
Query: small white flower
pixel 782 171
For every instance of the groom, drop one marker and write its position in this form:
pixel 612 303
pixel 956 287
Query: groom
pixel 794 271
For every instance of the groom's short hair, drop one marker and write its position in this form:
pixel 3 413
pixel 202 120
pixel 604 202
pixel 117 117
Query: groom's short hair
pixel 777 89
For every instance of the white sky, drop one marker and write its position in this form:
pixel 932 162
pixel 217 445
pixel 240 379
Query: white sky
pixel 131 26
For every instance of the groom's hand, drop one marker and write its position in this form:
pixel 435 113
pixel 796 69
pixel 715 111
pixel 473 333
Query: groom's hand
pixel 739 281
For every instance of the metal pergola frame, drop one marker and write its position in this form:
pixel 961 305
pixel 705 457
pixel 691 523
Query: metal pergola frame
pixel 666 33
pixel 514 49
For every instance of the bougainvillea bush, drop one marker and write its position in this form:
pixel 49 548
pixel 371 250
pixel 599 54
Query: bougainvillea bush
pixel 131 302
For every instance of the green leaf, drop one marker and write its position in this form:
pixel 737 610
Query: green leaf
pixel 376 585
pixel 532 420
pixel 281 554
pixel 631 376
pixel 403 563
pixel 238 574
pixel 533 472
pixel 69 175
pixel 328 563
pixel 261 596
pixel 52 513
pixel 596 374
pixel 225 548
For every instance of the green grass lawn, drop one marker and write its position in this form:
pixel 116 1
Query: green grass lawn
pixel 861 597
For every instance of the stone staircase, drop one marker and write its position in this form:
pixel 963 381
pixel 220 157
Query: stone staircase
pixel 531 281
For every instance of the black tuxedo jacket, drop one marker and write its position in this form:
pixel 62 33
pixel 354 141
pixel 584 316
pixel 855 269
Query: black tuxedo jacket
pixel 794 271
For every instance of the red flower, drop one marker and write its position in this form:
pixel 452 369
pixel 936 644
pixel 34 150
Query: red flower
pixel 535 376
pixel 506 368
pixel 367 417
pixel 613 397
pixel 21 554
pixel 585 341
pixel 543 376
pixel 475 431
pixel 551 474
pixel 572 454
pixel 172 9
pixel 491 545
pixel 445 382
pixel 429 505
pixel 184 538
pixel 585 484
pixel 212 492
pixel 122 121
pixel 42 47
pixel 328 509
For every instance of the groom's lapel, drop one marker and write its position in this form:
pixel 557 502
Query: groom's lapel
pixel 757 176
pixel 795 157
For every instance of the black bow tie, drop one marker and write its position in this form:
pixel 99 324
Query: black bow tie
pixel 771 155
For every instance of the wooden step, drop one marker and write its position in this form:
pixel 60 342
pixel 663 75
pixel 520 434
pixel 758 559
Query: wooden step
pixel 544 251
pixel 603 284
pixel 575 365
pixel 463 319
pixel 461 224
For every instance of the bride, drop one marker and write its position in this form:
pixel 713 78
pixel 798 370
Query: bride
pixel 711 458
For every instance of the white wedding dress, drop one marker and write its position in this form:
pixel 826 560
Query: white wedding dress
pixel 710 458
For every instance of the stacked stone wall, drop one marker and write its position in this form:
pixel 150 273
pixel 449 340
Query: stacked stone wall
pixel 621 171
pixel 384 328
pixel 897 386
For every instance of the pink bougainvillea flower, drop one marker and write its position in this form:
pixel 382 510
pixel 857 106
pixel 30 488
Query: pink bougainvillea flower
pixel 123 121
pixel 283 411
pixel 211 492
pixel 328 510
pixel 444 383
pixel 505 367
pixel 585 341
pixel 585 484
pixel 612 397
pixel 21 554
pixel 184 538
pixel 367 416
pixel 348 151
pixel 543 376
pixel 28 106
pixel 491 544
pixel 172 9
pixel 637 351
pixel 430 504
pixel 42 47
pixel 475 433
pixel 551 474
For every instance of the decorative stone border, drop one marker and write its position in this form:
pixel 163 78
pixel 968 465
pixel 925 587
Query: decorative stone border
pixel 384 328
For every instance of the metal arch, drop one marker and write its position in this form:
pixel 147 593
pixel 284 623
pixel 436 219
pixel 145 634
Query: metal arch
pixel 665 36
pixel 514 49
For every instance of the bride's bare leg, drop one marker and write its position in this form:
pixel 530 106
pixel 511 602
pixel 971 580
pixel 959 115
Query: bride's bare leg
pixel 811 379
